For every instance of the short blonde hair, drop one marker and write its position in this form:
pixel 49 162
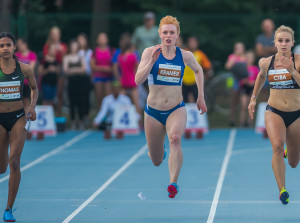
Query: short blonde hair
pixel 169 20
pixel 283 28
pixel 53 29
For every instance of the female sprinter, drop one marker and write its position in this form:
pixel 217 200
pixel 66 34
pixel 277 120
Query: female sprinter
pixel 12 114
pixel 163 65
pixel 283 109
pixel 101 66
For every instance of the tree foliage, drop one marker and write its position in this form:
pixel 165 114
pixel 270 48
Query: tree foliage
pixel 217 23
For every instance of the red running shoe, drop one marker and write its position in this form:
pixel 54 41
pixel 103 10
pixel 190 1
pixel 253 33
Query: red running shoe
pixel 173 189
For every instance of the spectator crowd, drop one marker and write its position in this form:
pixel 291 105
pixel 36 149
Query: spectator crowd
pixel 76 76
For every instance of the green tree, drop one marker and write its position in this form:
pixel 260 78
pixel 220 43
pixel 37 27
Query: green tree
pixel 5 13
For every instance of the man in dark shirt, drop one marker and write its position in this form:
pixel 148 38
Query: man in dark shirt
pixel 264 46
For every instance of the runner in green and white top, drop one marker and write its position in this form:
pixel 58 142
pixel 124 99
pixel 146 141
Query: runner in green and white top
pixel 12 114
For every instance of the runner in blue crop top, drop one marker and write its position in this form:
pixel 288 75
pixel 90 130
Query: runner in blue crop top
pixel 165 113
pixel 12 115
pixel 283 109
pixel 167 72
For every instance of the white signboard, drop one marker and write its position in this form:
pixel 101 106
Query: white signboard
pixel 44 121
pixel 125 119
pixel 195 121
pixel 260 117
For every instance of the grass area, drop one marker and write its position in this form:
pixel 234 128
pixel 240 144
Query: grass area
pixel 217 120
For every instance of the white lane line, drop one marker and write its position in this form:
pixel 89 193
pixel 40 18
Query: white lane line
pixel 106 184
pixel 214 204
pixel 51 153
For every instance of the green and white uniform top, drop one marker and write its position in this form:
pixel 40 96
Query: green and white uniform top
pixel 11 85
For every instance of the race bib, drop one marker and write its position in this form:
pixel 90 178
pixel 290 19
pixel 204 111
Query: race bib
pixel 280 77
pixel 10 90
pixel 169 73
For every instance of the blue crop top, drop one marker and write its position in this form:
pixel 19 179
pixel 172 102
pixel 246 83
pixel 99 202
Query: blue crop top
pixel 167 72
pixel 281 78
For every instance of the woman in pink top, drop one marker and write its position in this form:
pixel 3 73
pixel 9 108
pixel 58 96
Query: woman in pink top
pixel 27 56
pixel 24 54
pixel 125 69
pixel 238 56
pixel 246 88
pixel 101 66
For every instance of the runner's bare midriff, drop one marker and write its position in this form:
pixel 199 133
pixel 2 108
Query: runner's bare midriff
pixel 285 100
pixel 162 97
pixel 11 106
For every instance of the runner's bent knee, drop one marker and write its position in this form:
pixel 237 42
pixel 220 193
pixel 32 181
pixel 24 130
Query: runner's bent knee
pixel 14 163
pixel 278 148
pixel 175 139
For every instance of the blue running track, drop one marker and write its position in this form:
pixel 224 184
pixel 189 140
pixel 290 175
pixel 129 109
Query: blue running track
pixel 80 177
